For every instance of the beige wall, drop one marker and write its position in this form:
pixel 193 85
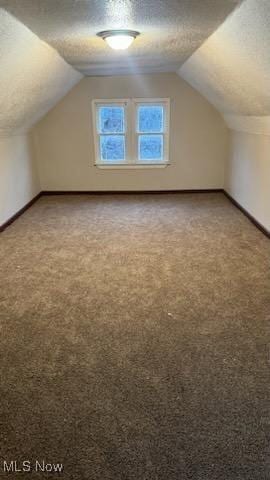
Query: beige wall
pixel 65 146
pixel 247 177
pixel 18 176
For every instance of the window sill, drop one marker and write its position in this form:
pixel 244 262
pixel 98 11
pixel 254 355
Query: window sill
pixel 130 166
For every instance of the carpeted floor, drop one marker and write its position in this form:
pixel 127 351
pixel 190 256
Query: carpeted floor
pixel 135 339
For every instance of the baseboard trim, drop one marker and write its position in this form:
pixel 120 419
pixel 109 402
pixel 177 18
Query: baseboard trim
pixel 247 214
pixel 99 192
pixel 127 192
pixel 19 213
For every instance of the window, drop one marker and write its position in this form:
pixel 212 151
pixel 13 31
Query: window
pixel 131 133
pixel 112 133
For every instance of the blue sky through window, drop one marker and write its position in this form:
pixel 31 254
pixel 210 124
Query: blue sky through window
pixel 112 148
pixel 151 147
pixel 150 119
pixel 111 119
pixel 146 128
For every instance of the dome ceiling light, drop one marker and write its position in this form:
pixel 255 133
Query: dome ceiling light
pixel 118 39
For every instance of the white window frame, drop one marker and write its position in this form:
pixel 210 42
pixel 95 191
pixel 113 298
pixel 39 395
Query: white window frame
pixel 131 132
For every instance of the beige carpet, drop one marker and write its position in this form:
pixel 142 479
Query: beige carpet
pixel 135 339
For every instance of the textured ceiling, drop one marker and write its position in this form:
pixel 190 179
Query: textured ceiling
pixel 33 76
pixel 232 68
pixel 171 30
pixel 250 124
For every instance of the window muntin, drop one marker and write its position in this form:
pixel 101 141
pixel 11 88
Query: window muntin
pixel 131 132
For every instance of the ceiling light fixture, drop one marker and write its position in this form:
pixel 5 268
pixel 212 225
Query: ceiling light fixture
pixel 118 39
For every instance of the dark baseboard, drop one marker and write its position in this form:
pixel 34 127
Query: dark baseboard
pixel 93 192
pixel 20 212
pixel 127 192
pixel 248 215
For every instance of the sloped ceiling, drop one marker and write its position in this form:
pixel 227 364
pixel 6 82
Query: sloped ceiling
pixel 232 68
pixel 171 30
pixel 249 123
pixel 33 76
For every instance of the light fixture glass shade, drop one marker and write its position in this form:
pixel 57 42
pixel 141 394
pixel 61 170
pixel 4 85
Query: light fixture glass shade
pixel 118 39
pixel 119 42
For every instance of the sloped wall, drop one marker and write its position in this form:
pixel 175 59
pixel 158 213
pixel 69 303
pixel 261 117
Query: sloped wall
pixel 33 76
pixel 247 177
pixel 19 181
pixel 198 136
pixel 232 68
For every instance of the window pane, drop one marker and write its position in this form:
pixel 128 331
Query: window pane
pixel 151 147
pixel 111 119
pixel 150 119
pixel 112 148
